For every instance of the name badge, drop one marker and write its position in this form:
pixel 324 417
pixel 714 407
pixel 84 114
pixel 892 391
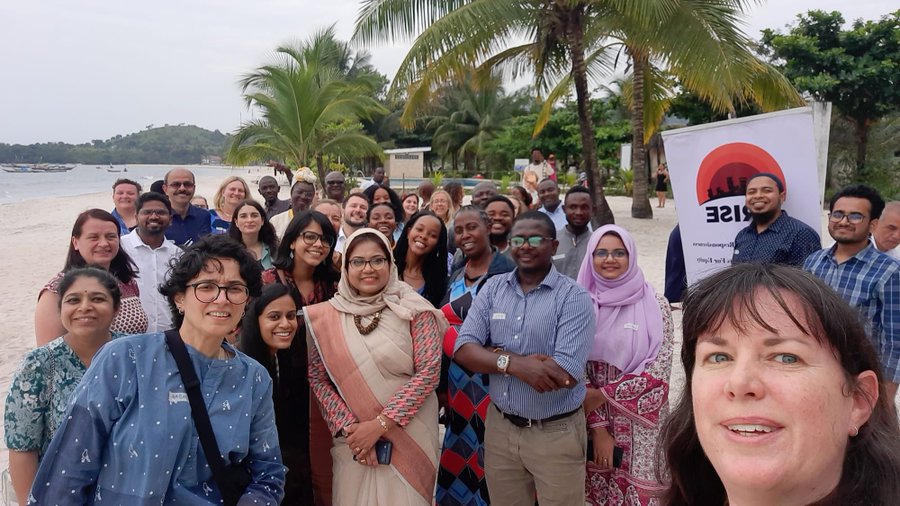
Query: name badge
pixel 498 316
pixel 559 257
pixel 176 397
pixel 631 326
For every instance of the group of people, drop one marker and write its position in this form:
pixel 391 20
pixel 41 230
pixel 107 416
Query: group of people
pixel 306 351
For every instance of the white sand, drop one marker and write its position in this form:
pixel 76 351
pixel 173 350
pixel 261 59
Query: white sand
pixel 37 234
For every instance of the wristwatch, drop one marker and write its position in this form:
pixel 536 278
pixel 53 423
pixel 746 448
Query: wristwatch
pixel 503 363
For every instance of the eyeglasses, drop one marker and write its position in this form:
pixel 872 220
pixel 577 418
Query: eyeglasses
pixel 838 216
pixel 157 212
pixel 311 238
pixel 207 291
pixel 359 263
pixel 333 182
pixel 534 241
pixel 187 185
pixel 618 254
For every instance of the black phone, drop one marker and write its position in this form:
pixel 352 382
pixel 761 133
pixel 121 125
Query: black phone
pixel 383 451
pixel 617 454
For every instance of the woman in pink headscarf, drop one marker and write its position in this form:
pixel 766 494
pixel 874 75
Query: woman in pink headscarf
pixel 627 372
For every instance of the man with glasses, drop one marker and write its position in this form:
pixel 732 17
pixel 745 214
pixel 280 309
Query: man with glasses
pixel 335 183
pixel 772 236
pixel 189 222
pixel 152 253
pixel 531 331
pixel 866 278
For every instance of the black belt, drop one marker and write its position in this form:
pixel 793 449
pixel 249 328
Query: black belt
pixel 519 421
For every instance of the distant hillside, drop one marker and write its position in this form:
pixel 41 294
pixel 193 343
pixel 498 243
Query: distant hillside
pixel 165 145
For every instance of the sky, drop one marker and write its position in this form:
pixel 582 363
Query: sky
pixel 74 71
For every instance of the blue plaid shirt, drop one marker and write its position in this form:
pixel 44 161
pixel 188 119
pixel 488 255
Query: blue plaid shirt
pixel 556 318
pixel 786 241
pixel 870 282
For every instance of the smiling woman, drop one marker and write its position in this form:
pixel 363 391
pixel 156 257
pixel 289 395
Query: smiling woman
pixel 783 399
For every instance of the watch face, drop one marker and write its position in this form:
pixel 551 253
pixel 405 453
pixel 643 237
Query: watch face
pixel 502 362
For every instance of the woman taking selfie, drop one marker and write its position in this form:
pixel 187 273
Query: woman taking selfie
pixel 628 370
pixel 41 387
pixel 783 400
pixel 374 363
pixel 130 434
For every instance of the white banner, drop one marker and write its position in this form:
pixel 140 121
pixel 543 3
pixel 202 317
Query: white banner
pixel 709 166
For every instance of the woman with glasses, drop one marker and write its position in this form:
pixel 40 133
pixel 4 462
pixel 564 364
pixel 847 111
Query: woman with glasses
pixel 374 363
pixel 304 265
pixel 251 227
pixel 129 435
pixel 627 372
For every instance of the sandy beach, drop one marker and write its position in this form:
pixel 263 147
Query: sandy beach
pixel 38 232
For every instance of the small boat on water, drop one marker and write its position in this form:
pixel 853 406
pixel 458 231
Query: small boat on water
pixel 38 167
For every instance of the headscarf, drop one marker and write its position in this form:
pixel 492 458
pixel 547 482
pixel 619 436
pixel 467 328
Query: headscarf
pixel 396 295
pixel 305 175
pixel 629 321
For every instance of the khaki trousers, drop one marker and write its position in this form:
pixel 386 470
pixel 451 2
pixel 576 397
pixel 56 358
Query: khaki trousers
pixel 546 458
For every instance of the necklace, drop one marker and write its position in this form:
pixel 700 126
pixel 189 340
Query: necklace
pixel 364 330
pixel 472 279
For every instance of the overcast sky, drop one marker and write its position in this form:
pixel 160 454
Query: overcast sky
pixel 73 71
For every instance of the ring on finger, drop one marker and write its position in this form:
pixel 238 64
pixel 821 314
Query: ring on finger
pixel 358 450
pixel 362 461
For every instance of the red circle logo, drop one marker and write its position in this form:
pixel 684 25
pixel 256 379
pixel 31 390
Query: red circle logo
pixel 725 170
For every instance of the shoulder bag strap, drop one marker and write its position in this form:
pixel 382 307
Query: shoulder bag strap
pixel 198 407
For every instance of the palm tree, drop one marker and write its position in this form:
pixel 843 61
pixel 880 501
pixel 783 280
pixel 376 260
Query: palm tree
pixel 568 42
pixel 311 103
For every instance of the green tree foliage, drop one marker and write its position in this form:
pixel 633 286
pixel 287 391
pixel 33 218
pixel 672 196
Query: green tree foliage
pixel 160 145
pixel 855 69
pixel 311 104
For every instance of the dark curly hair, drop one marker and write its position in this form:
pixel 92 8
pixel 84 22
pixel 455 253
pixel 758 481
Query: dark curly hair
pixel 208 252
pixel 871 467
pixel 121 266
pixel 267 234
pixel 106 280
pixel 325 272
pixel 434 266
pixel 396 203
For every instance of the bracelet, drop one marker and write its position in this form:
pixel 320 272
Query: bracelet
pixel 383 422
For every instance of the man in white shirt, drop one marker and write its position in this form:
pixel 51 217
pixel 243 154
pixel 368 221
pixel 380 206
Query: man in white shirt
pixel 548 195
pixel 886 236
pixel 377 178
pixel 152 253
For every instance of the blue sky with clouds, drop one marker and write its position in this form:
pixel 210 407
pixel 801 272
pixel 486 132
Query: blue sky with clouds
pixel 74 71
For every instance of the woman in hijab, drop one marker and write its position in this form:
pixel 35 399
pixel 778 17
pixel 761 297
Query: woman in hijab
pixel 628 372
pixel 374 364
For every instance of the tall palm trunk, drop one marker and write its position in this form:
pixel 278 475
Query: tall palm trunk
pixel 320 168
pixel 575 37
pixel 640 201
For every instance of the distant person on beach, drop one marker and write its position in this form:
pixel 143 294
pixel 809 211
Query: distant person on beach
pixel 573 237
pixel 867 279
pixel 268 189
pixel 772 236
pixel 662 187
pixel 152 254
pixel 199 201
pixel 95 241
pixel 231 193
pixel 303 191
pixel 189 223
pixel 40 389
pixel 129 435
pixel 548 194
pixel 125 195
pixel 425 191
pixel 377 179
pixel 335 186
pixel 676 272
pixel 886 236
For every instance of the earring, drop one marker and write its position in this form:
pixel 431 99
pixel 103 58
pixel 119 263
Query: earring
pixel 854 432
pixel 180 310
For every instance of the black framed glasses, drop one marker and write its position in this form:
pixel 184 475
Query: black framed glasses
pixel 334 183
pixel 157 212
pixel 311 238
pixel 207 291
pixel 534 241
pixel 617 254
pixel 838 216
pixel 187 185
pixel 359 263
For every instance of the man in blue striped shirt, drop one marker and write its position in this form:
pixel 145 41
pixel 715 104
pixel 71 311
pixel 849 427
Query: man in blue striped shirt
pixel 531 331
pixel 866 278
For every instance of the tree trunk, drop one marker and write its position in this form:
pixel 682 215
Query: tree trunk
pixel 575 34
pixel 320 168
pixel 640 201
pixel 862 145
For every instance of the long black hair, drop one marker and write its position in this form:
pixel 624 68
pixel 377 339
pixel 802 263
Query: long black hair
pixel 434 266
pixel 871 467
pixel 251 341
pixel 324 272
pixel 121 266
pixel 267 234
